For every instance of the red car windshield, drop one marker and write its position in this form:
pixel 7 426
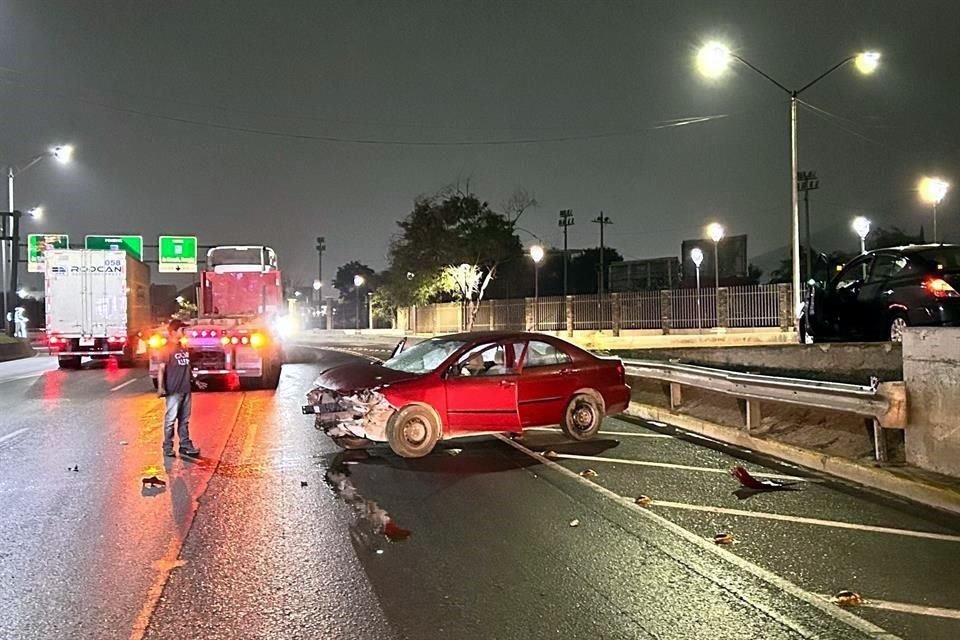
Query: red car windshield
pixel 424 357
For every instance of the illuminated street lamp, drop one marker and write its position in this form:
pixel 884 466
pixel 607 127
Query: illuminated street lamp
pixel 357 283
pixel 35 212
pixel 714 58
pixel 697 256
pixel 62 154
pixel 933 191
pixel 861 227
pixel 536 253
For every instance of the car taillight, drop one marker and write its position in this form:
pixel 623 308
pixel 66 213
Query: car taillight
pixel 940 288
pixel 116 339
pixel 621 372
pixel 156 341
pixel 257 340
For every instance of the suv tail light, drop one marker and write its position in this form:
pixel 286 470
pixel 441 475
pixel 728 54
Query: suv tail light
pixel 940 288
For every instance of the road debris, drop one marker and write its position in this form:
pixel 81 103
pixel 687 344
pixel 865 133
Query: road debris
pixel 847 599
pixel 123 443
pixel 588 473
pixel 643 500
pixel 723 538
pixel 750 485
pixel 153 481
pixel 454 452
pixel 75 468
pixel 574 523
pixel 303 483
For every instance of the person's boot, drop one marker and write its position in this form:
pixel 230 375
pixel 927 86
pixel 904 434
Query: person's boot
pixel 190 451
pixel 168 452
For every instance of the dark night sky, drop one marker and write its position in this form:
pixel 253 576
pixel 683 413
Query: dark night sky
pixel 114 78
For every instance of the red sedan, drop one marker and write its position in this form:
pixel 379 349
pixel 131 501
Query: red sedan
pixel 466 384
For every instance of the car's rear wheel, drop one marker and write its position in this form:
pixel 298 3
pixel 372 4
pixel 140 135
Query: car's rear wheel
pixel 413 432
pixel 581 420
pixel 898 324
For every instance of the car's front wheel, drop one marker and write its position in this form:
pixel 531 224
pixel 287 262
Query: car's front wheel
pixel 898 324
pixel 351 442
pixel 581 420
pixel 413 432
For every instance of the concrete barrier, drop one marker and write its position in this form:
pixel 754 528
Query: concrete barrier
pixel 931 370
pixel 15 350
pixel 840 362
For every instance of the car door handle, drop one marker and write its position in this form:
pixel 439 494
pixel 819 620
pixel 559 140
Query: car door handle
pixel 507 383
pixel 566 372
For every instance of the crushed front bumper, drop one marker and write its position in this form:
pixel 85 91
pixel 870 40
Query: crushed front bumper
pixel 363 414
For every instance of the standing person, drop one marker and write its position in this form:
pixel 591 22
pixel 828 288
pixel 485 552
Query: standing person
pixel 174 380
pixel 20 320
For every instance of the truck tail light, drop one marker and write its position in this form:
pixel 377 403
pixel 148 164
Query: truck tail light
pixel 234 340
pixel 940 288
pixel 156 341
pixel 225 340
pixel 117 339
pixel 257 340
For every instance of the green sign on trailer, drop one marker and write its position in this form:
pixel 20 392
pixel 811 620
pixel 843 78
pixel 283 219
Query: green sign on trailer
pixel 133 245
pixel 38 244
pixel 178 254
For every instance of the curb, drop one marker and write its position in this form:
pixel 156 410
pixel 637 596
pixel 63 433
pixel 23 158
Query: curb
pixel 15 350
pixel 877 478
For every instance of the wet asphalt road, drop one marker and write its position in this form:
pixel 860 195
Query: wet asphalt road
pixel 275 533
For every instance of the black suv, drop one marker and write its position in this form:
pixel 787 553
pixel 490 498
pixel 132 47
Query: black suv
pixel 879 293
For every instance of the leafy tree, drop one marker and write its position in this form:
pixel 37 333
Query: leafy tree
pixel 882 237
pixel 452 244
pixel 583 270
pixel 343 281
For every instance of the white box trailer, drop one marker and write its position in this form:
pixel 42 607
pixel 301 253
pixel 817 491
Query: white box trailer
pixel 97 304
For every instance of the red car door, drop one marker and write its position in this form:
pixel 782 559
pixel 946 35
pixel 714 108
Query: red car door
pixel 482 392
pixel 547 381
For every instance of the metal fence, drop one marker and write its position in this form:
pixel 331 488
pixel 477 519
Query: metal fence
pixel 753 306
pixel 641 310
pixel 672 309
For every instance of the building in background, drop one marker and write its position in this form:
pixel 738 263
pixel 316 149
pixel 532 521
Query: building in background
pixel 649 273
pixel 733 261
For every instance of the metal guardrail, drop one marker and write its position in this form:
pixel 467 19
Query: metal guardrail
pixel 883 404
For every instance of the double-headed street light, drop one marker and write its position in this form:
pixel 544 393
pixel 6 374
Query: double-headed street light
pixel 714 58
pixel 536 254
pixel 933 191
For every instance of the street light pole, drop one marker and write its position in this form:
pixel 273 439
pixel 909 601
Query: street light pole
pixel 566 221
pixel 357 283
pixel 536 254
pixel 696 254
pixel 62 154
pixel 603 221
pixel 933 191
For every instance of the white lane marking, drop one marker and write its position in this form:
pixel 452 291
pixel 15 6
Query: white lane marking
pixel 670 465
pixel 607 433
pixel 657 424
pixel 838 524
pixel 905 607
pixel 13 434
pixel 124 384
pixel 709 547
